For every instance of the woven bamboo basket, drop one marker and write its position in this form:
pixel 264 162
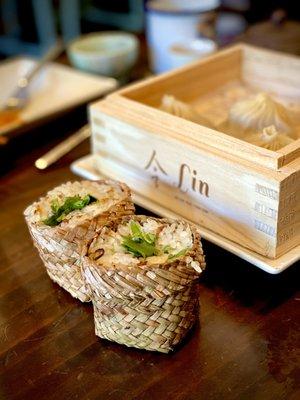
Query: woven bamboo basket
pixel 59 247
pixel 148 307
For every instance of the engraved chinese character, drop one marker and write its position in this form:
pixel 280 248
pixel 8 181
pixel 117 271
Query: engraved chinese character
pixel 154 165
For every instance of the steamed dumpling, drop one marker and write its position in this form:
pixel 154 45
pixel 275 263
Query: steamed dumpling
pixel 176 107
pixel 269 138
pixel 258 112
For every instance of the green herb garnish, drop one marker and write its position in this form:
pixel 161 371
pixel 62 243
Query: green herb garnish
pixel 139 249
pixel 139 235
pixel 70 204
pixel 179 254
pixel 142 244
pixel 167 249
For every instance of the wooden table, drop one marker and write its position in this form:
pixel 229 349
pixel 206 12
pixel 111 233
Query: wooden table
pixel 244 348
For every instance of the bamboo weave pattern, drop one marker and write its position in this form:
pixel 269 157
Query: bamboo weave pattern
pixel 60 247
pixel 146 307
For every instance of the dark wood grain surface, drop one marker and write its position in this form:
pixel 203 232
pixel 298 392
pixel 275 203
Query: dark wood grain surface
pixel 245 347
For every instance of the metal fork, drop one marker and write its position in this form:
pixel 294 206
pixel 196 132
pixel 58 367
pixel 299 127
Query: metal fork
pixel 19 97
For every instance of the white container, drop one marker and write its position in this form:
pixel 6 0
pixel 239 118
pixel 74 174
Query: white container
pixel 171 21
pixel 184 53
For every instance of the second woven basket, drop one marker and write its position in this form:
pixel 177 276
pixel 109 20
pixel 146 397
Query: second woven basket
pixel 147 302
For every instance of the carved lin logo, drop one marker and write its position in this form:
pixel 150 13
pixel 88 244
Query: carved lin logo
pixel 187 178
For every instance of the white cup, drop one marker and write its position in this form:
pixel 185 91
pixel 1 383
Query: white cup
pixel 186 52
pixel 172 21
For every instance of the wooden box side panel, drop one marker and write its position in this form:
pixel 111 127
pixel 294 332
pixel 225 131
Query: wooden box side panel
pixel 271 71
pixel 288 230
pixel 188 83
pixel 223 197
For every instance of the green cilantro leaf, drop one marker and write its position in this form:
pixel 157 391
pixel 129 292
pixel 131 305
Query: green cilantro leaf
pixel 179 254
pixel 142 249
pixel 140 243
pixel 59 212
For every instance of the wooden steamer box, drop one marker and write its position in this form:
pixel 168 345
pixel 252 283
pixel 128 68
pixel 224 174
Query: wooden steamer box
pixel 243 193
